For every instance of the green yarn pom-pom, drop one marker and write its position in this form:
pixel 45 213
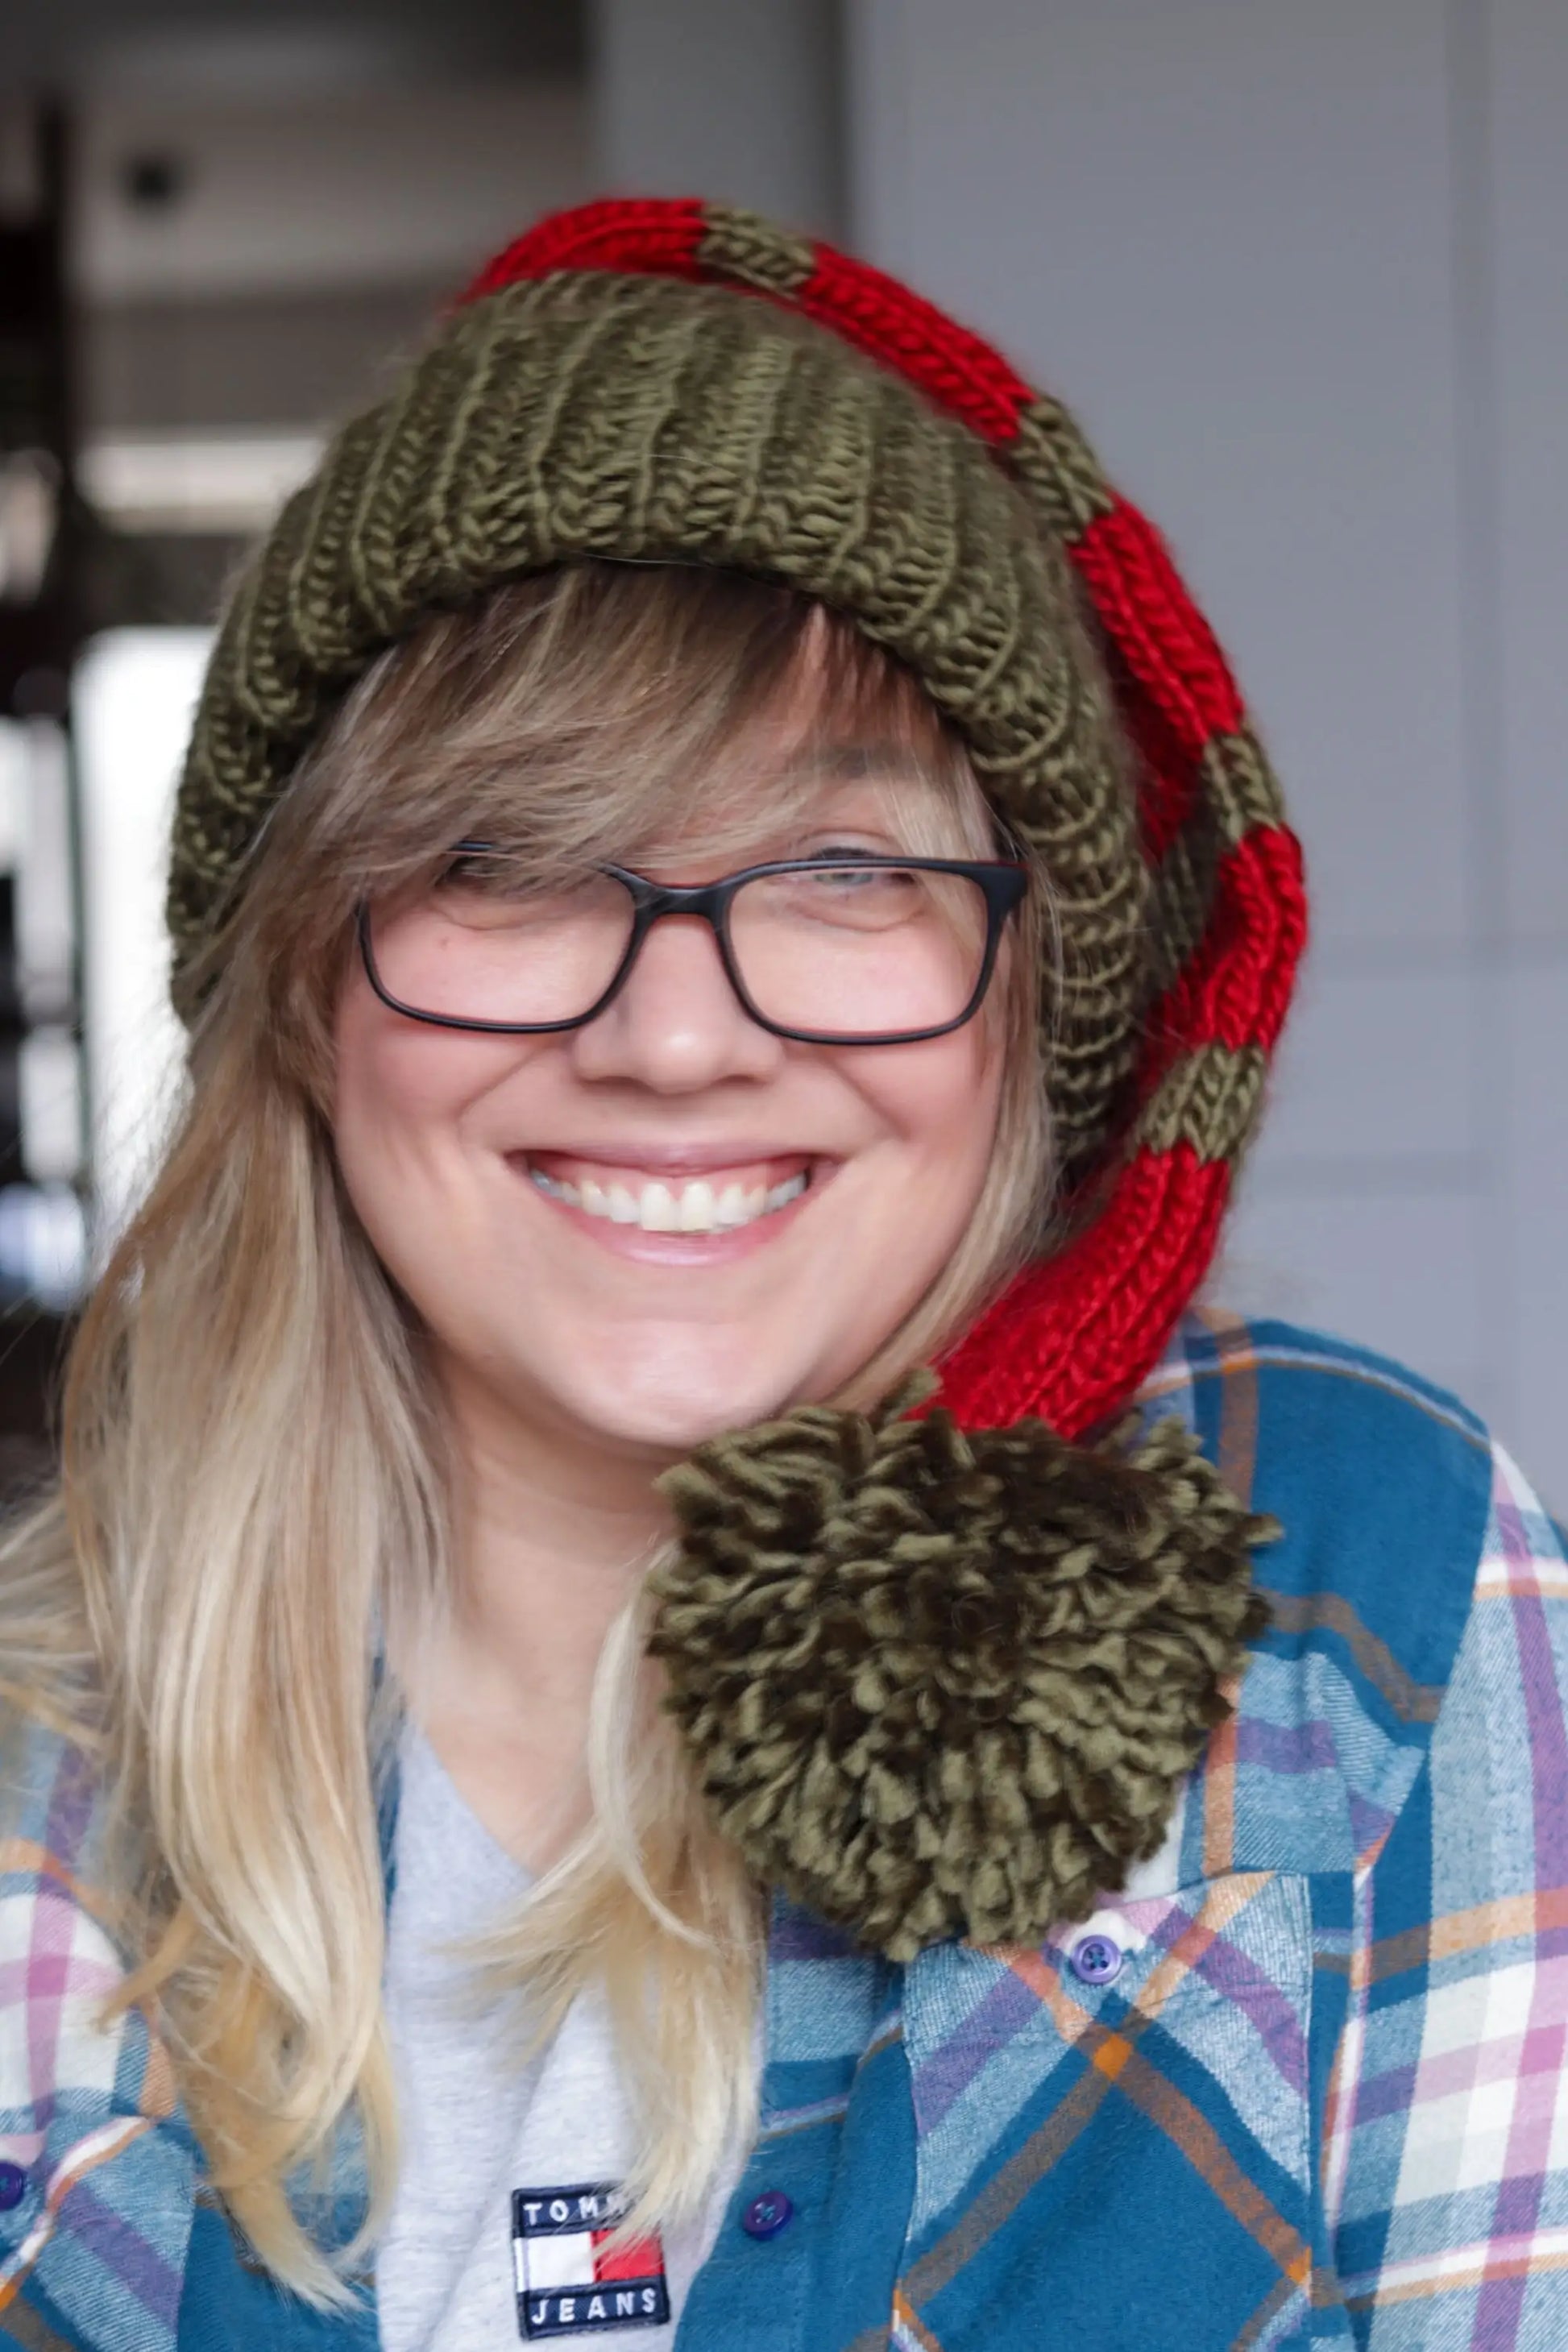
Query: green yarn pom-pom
pixel 944 1682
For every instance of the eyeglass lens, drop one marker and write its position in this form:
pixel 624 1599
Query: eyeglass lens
pixel 850 950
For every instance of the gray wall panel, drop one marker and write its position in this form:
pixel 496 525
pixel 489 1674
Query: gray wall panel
pixel 1303 268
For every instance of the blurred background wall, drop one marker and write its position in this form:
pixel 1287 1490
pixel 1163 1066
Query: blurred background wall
pixel 1300 266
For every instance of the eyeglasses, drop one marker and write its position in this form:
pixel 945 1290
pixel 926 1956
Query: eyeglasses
pixel 863 951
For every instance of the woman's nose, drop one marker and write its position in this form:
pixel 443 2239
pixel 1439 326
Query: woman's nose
pixel 677 1023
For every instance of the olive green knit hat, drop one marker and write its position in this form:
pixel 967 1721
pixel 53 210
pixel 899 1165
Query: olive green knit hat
pixel 679 382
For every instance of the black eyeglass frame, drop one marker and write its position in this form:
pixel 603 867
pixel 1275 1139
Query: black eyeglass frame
pixel 1002 881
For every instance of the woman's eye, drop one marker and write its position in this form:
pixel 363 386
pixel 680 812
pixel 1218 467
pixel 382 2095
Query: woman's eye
pixel 490 872
pixel 857 874
pixel 471 865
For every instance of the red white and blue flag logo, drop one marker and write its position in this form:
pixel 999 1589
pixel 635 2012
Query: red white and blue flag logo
pixel 568 2280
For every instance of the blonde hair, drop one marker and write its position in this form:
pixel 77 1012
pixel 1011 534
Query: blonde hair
pixel 255 1488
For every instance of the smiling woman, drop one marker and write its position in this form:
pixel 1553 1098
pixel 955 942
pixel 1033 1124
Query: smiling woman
pixel 564 1036
pixel 643 1705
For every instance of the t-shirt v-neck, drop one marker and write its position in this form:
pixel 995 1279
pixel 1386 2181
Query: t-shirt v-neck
pixel 476 2127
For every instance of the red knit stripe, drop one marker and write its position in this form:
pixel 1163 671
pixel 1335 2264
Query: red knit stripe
pixel 1235 989
pixel 954 367
pixel 951 366
pixel 1076 1335
pixel 656 237
pixel 1167 644
pixel 1169 773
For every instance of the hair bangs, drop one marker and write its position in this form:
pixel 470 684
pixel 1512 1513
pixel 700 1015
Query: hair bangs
pixel 602 711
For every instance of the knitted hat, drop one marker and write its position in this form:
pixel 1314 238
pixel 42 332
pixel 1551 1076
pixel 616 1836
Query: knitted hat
pixel 612 385
pixel 683 381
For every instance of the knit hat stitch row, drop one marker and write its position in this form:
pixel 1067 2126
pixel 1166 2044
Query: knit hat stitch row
pixel 680 382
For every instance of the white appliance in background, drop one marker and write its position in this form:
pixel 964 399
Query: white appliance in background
pixel 133 694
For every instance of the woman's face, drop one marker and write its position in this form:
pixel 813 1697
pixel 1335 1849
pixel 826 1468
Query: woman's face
pixel 517 1188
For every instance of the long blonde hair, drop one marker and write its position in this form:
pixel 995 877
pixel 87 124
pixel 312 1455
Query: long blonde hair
pixel 256 1480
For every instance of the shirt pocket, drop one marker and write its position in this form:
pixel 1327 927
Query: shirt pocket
pixel 1128 2105
pixel 1212 1986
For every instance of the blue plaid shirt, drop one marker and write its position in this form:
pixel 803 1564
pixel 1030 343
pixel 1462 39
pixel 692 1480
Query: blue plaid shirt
pixel 1315 2096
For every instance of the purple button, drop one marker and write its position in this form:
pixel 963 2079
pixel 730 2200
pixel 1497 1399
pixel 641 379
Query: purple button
pixel 1097 1960
pixel 766 2215
pixel 13 2186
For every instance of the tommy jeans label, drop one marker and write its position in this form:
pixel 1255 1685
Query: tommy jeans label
pixel 568 2283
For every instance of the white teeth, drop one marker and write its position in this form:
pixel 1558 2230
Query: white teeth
pixel 659 1213
pixel 730 1209
pixel 697 1208
pixel 693 1208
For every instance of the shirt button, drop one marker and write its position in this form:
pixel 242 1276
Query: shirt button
pixel 1097 1960
pixel 766 2215
pixel 13 2186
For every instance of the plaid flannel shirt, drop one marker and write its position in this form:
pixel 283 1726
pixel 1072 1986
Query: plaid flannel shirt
pixel 1321 2102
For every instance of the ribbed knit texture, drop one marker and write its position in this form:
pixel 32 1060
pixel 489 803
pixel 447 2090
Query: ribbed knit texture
pixel 600 416
pixel 681 382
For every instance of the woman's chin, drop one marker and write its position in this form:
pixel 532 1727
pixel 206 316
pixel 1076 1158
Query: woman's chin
pixel 670 1417
pixel 668 1431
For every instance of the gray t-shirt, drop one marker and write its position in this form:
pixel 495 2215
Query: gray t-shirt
pixel 492 2236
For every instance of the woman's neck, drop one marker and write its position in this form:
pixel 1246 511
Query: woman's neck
pixel 551 1534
